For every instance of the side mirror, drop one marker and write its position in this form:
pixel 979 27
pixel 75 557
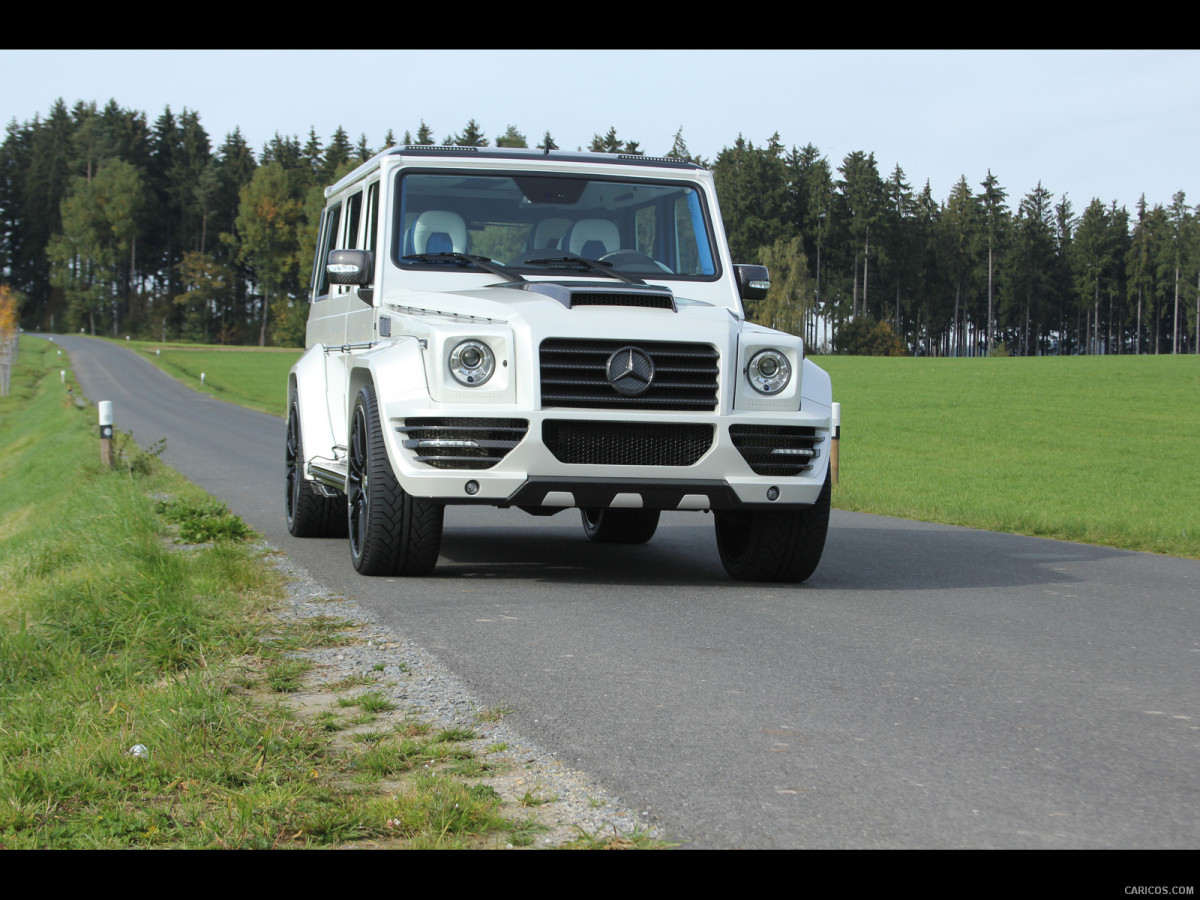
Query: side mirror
pixel 753 282
pixel 350 267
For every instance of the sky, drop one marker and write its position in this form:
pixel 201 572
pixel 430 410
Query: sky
pixel 1107 124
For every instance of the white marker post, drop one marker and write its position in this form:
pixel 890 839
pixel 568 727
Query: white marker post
pixel 837 439
pixel 106 432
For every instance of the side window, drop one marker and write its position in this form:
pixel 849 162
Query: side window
pixel 353 215
pixel 329 233
pixel 372 216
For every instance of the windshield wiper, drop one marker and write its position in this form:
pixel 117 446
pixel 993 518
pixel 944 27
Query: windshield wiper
pixel 590 265
pixel 465 259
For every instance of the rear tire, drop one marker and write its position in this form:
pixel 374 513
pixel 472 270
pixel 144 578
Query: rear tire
pixel 765 545
pixel 309 513
pixel 391 532
pixel 620 526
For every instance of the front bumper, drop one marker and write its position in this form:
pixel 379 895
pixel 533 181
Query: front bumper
pixel 600 458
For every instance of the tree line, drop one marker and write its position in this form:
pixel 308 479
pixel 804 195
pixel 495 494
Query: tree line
pixel 112 224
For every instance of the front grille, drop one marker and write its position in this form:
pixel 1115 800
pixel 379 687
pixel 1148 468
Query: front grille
pixel 462 443
pixel 625 443
pixel 782 450
pixel 574 374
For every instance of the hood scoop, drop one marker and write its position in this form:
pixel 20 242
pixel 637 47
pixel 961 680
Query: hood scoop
pixel 600 293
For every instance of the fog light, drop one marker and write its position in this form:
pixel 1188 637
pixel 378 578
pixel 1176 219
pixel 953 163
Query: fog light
pixel 772 493
pixel 472 488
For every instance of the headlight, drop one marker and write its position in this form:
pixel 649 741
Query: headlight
pixel 472 363
pixel 769 372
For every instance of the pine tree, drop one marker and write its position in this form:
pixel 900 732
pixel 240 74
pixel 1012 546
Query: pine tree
pixel 92 141
pixel 679 150
pixel 337 154
pixel 894 258
pixel 511 138
pixel 1137 265
pixel 1027 285
pixel 930 267
pixel 994 214
pixel 959 228
pixel 610 143
pixel 471 136
pixel 1090 261
pixel 313 155
pixel 752 185
pixel 46 182
pixel 1181 237
pixel 862 193
pixel 287 152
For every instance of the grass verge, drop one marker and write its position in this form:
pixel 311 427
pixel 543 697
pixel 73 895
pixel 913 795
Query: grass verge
pixel 143 675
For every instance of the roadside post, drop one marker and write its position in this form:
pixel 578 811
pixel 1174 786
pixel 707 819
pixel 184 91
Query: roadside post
pixel 837 439
pixel 106 432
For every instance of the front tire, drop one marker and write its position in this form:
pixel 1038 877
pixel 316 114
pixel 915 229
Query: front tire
pixel 391 532
pixel 765 545
pixel 620 526
pixel 309 514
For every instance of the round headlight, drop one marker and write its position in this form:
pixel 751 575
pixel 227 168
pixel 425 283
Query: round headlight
pixel 472 363
pixel 769 372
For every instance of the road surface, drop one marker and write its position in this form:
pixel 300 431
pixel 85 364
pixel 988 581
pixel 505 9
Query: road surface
pixel 929 687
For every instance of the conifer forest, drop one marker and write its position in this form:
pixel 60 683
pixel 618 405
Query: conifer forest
pixel 114 224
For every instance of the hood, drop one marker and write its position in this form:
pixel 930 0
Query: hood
pixel 559 300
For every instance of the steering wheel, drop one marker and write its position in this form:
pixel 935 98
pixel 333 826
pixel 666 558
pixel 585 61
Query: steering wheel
pixel 632 259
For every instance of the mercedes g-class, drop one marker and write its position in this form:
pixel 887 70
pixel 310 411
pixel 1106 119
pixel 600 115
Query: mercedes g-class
pixel 547 330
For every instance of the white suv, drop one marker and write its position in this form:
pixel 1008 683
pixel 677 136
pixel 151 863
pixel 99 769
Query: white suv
pixel 547 330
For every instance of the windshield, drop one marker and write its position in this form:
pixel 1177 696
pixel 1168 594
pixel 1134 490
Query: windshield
pixel 537 224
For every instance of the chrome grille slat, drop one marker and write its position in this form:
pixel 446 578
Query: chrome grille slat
pixel 782 450
pixel 455 443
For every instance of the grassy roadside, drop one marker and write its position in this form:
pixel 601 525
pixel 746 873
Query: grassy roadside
pixel 142 672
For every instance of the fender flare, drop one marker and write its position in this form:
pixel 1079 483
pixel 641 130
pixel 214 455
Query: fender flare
pixel 306 387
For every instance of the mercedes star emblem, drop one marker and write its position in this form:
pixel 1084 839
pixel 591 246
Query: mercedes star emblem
pixel 630 371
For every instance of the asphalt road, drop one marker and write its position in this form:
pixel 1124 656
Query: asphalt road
pixel 929 687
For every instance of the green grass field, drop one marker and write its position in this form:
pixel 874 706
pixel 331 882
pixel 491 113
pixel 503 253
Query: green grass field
pixel 1094 449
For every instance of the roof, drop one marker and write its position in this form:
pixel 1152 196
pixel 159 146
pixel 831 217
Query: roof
pixel 452 151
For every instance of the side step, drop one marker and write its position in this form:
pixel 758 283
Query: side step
pixel 328 473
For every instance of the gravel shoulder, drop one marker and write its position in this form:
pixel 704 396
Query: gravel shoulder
pixel 565 801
